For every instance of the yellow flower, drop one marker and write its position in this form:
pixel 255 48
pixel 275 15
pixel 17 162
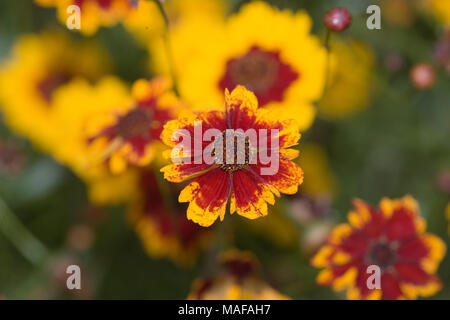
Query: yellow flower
pixel 129 133
pixel 163 230
pixel 239 280
pixel 94 13
pixel 38 67
pixel 73 107
pixel 348 88
pixel 146 23
pixel 271 52
pixel 441 9
pixel 319 179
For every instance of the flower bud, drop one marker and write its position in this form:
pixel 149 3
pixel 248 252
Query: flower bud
pixel 422 76
pixel 337 19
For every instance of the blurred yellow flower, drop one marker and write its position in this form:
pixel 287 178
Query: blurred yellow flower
pixel 164 230
pixel 129 133
pixel 238 280
pixel 441 9
pixel 348 88
pixel 319 178
pixel 147 23
pixel 269 51
pixel 93 13
pixel 38 67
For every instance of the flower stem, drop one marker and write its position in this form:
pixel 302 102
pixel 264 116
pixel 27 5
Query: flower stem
pixel 168 46
pixel 28 245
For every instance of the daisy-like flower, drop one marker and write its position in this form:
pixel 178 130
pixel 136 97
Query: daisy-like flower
pixel 165 231
pixel 352 68
pixel 247 182
pixel 94 13
pixel 391 237
pixel 237 279
pixel 128 134
pixel 270 52
pixel 39 66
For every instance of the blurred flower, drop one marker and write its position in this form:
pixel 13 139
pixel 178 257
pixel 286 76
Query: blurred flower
pixel 441 9
pixel 94 13
pixel 147 23
pixel 352 68
pixel 391 237
pixel 12 158
pixel 398 13
pixel 422 76
pixel 165 231
pixel 237 280
pixel 249 190
pixel 337 19
pixel 271 52
pixel 128 133
pixel 39 66
pixel 75 106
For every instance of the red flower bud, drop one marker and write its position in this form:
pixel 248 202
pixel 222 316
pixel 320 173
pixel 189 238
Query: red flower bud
pixel 337 19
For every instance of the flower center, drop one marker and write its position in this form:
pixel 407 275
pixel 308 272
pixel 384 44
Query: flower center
pixel 136 122
pixel 382 255
pixel 50 83
pixel 260 71
pixel 232 151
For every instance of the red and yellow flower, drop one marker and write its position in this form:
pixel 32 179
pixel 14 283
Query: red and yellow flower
pixel 238 279
pixel 39 66
pixel 391 237
pixel 215 183
pixel 165 231
pixel 129 134
pixel 271 52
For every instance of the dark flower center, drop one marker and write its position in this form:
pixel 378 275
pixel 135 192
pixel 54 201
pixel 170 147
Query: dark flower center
pixel 260 71
pixel 382 255
pixel 136 122
pixel 51 83
pixel 235 154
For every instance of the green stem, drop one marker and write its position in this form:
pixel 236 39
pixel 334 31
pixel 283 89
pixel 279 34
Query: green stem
pixel 327 62
pixel 28 245
pixel 168 46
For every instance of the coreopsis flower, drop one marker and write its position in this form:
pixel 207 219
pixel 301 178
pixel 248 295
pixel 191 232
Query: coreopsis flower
pixel 352 68
pixel 236 170
pixel 441 9
pixel 238 279
pixel 39 66
pixel 129 133
pixel 93 13
pixel 270 52
pixel 74 107
pixel 165 231
pixel 391 237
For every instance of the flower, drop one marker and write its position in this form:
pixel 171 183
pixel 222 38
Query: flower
pixel 391 237
pixel 129 132
pixel 250 189
pixel 237 281
pixel 441 9
pixel 165 231
pixel 75 106
pixel 39 66
pixel 270 52
pixel 352 68
pixel 147 24
pixel 422 76
pixel 94 13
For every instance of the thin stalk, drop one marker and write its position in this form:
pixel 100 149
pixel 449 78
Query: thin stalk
pixel 13 229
